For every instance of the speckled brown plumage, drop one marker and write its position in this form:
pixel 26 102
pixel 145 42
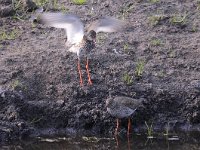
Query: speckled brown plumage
pixel 122 107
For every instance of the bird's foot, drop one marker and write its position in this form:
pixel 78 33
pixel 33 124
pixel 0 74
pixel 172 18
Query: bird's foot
pixel 89 82
pixel 81 83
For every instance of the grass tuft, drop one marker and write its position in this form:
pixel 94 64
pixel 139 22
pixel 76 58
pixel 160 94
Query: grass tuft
pixel 167 130
pixel 154 20
pixel 126 47
pixel 126 10
pixel 154 1
pixel 17 84
pixel 198 4
pixel 55 4
pixel 194 28
pixel 47 3
pixel 178 19
pixel 155 42
pixel 139 68
pixel 127 79
pixel 17 5
pixel 41 2
pixel 64 9
pixel 36 120
pixel 149 130
pixel 79 2
pixel 8 36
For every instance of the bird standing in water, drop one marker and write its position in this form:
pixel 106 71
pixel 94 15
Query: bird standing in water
pixel 122 107
pixel 79 42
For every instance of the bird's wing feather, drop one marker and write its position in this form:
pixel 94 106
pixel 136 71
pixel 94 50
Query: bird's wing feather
pixel 107 24
pixel 71 23
pixel 129 102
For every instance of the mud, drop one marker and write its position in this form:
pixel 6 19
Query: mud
pixel 39 81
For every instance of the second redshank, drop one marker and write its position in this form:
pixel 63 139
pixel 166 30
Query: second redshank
pixel 79 42
pixel 122 107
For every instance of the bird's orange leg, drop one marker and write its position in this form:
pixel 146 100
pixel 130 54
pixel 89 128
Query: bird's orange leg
pixel 117 127
pixel 117 141
pixel 80 74
pixel 129 144
pixel 129 126
pixel 88 73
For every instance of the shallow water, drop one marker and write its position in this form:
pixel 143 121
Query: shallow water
pixel 136 142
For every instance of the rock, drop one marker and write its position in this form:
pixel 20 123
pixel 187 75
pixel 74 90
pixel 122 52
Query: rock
pixel 6 11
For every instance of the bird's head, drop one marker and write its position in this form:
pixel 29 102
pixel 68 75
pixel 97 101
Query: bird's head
pixel 109 100
pixel 91 35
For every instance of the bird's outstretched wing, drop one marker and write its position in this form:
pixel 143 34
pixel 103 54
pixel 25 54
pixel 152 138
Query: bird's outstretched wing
pixel 71 23
pixel 107 24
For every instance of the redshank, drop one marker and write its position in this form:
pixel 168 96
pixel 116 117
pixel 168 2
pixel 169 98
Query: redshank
pixel 79 42
pixel 122 107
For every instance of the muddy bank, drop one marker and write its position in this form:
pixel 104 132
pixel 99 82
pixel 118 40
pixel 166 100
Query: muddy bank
pixel 86 115
pixel 157 59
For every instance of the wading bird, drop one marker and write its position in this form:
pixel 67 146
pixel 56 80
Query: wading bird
pixel 122 107
pixel 79 42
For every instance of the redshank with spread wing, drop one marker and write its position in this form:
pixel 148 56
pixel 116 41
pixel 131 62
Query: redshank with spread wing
pixel 79 42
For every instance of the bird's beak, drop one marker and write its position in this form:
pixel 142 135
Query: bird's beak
pixel 94 44
pixel 106 103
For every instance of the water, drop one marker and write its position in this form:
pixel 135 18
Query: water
pixel 136 142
